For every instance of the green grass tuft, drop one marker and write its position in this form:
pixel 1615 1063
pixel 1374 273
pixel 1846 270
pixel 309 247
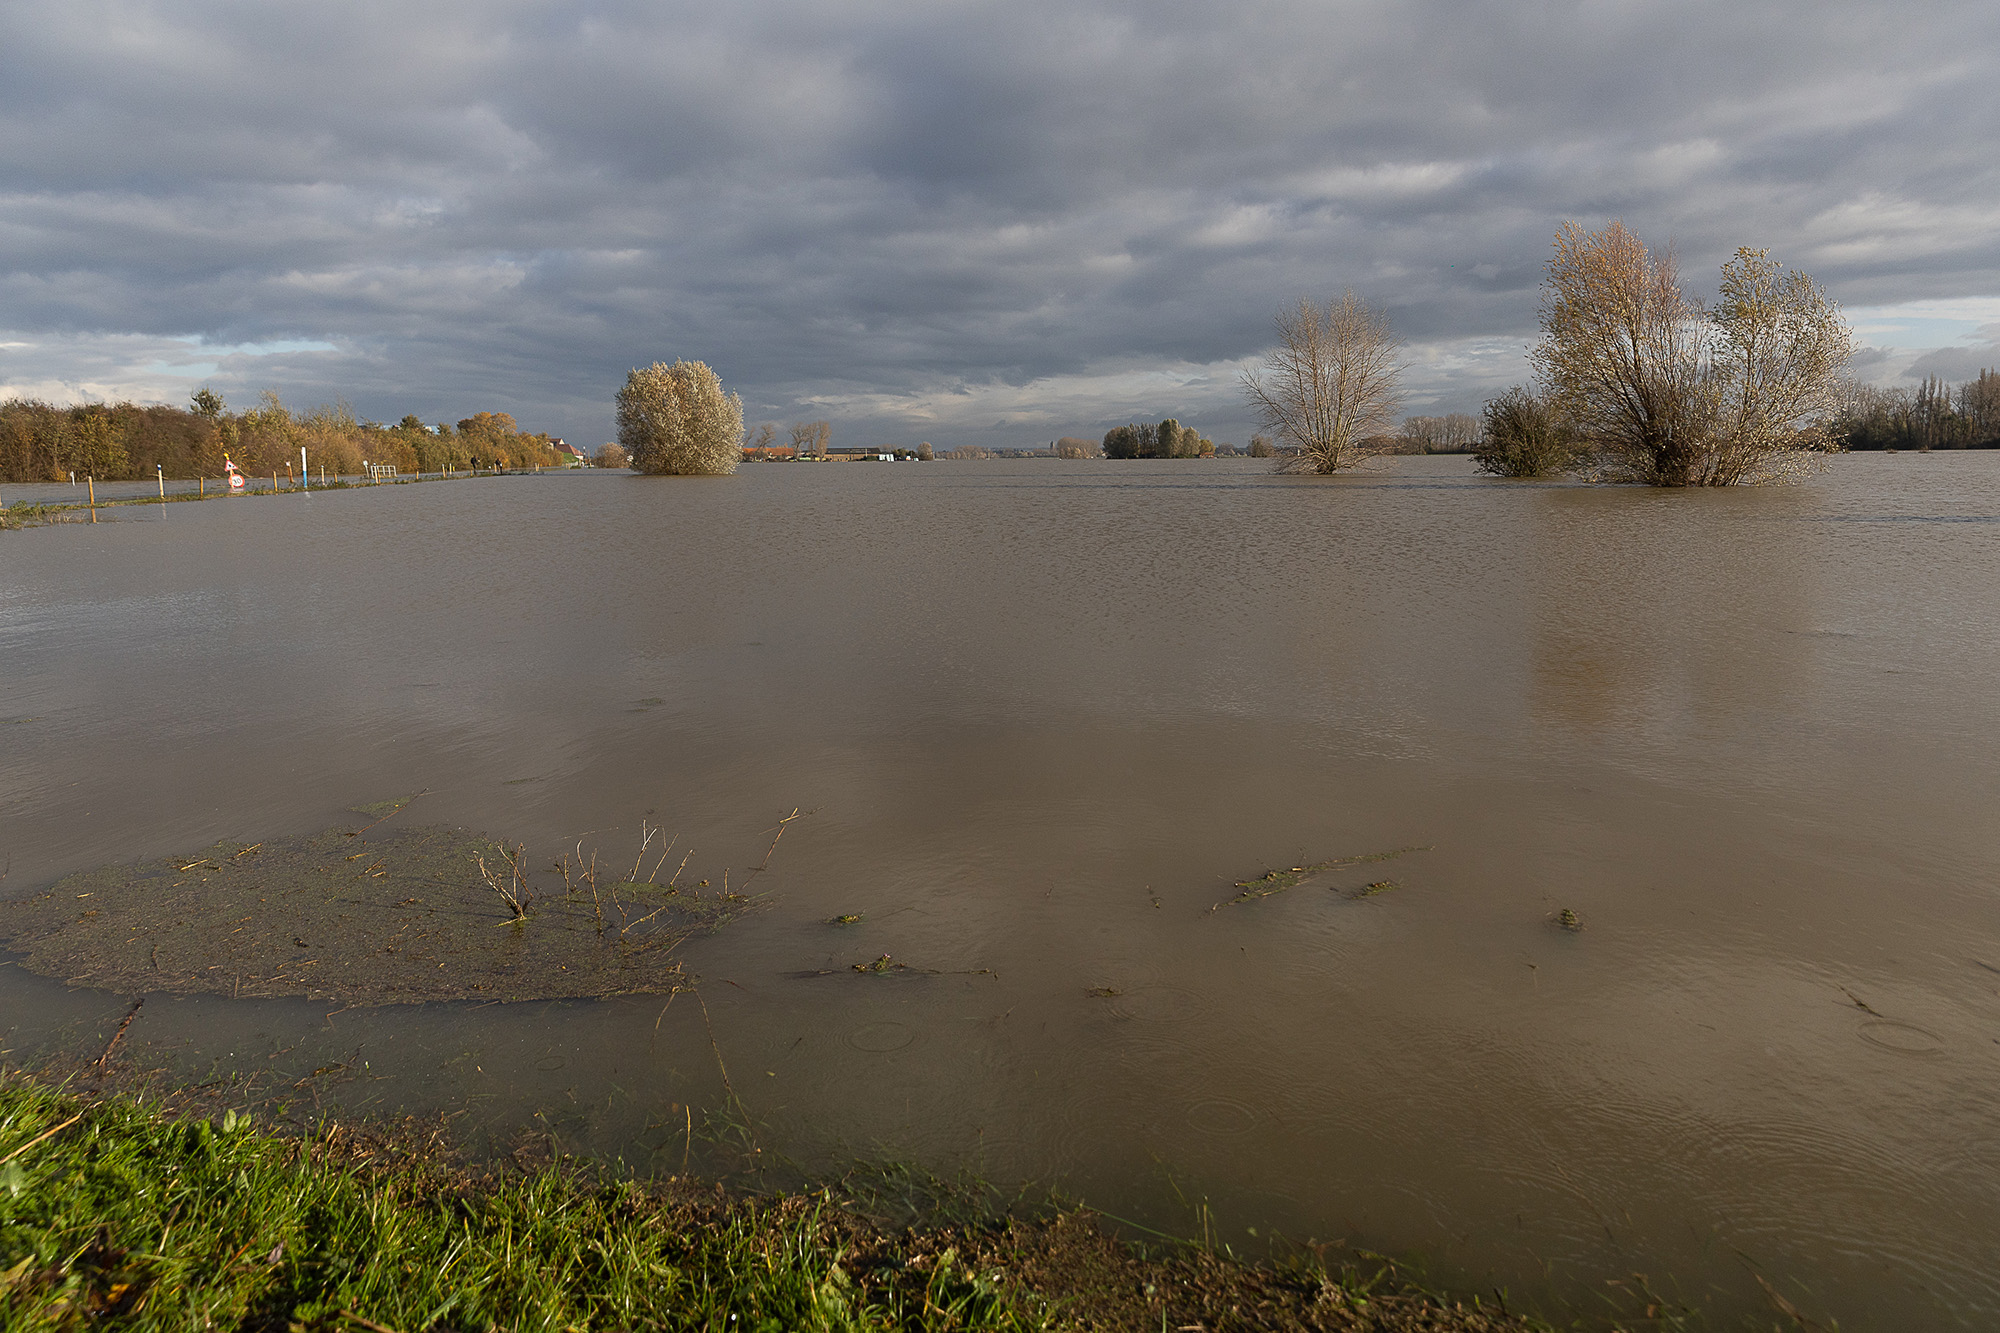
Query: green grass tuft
pixel 126 1214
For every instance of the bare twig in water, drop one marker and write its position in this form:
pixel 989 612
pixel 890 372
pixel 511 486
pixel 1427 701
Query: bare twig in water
pixel 119 1035
pixel 765 864
pixel 654 877
pixel 1857 1002
pixel 511 885
pixel 590 878
pixel 727 1086
pixel 644 843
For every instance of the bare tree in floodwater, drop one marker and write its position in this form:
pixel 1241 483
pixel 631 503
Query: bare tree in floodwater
pixel 1665 392
pixel 1331 384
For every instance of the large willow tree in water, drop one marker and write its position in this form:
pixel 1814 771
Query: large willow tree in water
pixel 677 421
pixel 1661 390
pixel 1331 384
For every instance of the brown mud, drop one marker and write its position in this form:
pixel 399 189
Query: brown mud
pixel 362 916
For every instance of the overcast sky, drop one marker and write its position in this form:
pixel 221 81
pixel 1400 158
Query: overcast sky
pixel 961 222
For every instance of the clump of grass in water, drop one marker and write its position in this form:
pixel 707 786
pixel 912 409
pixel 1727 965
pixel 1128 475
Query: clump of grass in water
pixel 24 515
pixel 1277 881
pixel 399 917
pixel 881 965
pixel 1567 919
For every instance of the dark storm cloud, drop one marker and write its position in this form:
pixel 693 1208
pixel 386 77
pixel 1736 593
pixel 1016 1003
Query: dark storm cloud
pixel 986 222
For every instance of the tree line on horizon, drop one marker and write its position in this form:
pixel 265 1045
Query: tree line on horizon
pixel 1635 381
pixel 1934 415
pixel 125 441
pixel 1168 439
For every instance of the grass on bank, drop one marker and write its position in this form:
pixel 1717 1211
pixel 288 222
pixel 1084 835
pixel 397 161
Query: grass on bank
pixel 113 1210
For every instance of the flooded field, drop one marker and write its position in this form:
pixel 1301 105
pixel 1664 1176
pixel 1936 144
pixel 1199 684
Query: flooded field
pixel 1554 883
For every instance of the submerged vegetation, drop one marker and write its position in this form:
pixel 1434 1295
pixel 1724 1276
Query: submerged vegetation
pixel 364 917
pixel 119 1209
pixel 1278 881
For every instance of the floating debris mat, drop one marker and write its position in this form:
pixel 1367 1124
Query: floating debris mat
pixel 403 917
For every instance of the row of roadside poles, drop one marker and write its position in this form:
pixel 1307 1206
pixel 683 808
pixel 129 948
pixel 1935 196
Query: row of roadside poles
pixel 238 482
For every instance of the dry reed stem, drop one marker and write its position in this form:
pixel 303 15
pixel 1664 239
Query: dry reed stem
pixel 640 860
pixel 45 1134
pixel 654 877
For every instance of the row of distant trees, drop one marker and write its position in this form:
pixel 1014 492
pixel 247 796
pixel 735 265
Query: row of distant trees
pixel 112 441
pixel 1168 439
pixel 1635 381
pixel 1935 415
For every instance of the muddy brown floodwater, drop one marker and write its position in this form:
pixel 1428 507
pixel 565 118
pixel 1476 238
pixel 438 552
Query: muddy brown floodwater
pixel 1686 962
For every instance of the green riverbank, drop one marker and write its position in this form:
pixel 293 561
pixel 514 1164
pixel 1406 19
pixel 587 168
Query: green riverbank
pixel 148 1211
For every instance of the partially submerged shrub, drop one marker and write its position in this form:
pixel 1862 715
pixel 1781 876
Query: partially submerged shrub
pixel 609 455
pixel 677 421
pixel 1524 437
pixel 1667 392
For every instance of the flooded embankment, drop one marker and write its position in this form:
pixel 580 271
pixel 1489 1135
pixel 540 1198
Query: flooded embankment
pixel 401 916
pixel 1685 965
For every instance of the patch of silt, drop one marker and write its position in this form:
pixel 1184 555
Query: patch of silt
pixel 377 917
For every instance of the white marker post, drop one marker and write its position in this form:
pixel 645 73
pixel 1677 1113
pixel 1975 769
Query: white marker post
pixel 305 476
